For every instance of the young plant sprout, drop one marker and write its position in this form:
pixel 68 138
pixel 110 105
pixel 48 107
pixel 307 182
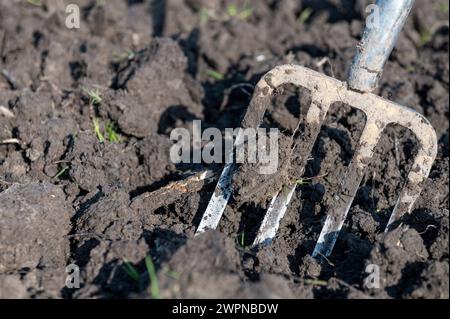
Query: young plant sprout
pixel 61 172
pixel 305 15
pixel 97 131
pixel 215 75
pixel 316 282
pixel 425 36
pixel 232 11
pixel 35 2
pixel 130 270
pixel 111 133
pixel 94 96
pixel 241 239
pixel 154 285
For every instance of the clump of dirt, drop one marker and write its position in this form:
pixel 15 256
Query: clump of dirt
pixel 398 254
pixel 196 268
pixel 35 221
pixel 85 173
pixel 158 68
pixel 264 186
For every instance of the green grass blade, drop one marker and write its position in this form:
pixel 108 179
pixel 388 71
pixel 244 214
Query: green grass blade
pixel 61 171
pixel 130 270
pixel 154 285
pixel 98 134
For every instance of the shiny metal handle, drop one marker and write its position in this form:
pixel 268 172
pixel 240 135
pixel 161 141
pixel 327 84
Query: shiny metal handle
pixel 378 41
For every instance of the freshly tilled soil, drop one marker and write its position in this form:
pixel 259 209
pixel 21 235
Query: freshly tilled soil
pixel 68 198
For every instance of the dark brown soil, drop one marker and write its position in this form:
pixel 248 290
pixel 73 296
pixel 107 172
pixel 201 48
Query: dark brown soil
pixel 67 197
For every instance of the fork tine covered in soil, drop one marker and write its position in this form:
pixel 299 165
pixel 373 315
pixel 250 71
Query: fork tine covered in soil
pixel 218 201
pixel 376 122
pixel 365 72
pixel 374 50
pixel 221 195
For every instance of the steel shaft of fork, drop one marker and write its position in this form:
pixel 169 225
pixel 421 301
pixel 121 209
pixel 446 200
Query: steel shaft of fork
pixel 377 43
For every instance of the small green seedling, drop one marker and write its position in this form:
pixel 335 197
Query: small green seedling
pixel 134 274
pixel 98 134
pixel 233 11
pixel 204 15
pixel 61 172
pixel 130 270
pixel 35 2
pixel 307 181
pixel 241 239
pixel 425 36
pixel 111 133
pixel 302 182
pixel 94 96
pixel 130 54
pixel 315 282
pixel 215 75
pixel 245 13
pixel 154 285
pixel 305 15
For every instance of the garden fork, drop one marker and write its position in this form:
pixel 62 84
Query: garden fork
pixel 372 53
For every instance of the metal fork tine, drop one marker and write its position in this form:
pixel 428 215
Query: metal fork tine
pixel 218 201
pixel 410 192
pixel 347 191
pixel 221 195
pixel 274 214
pixel 416 178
